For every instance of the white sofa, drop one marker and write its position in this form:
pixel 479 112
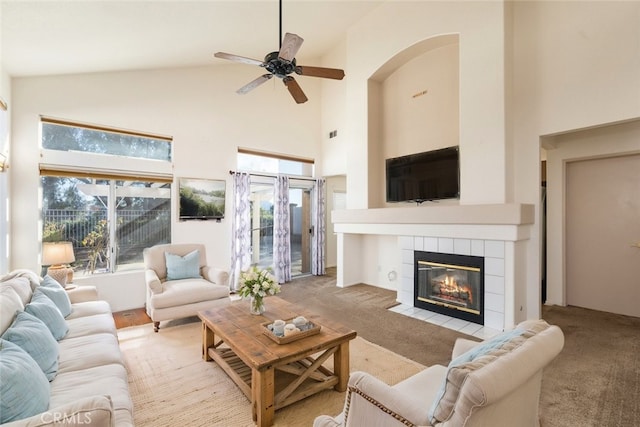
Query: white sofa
pixel 90 386
pixel 177 298
pixel 493 383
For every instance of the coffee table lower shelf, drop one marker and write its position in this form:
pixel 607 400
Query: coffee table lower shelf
pixel 294 381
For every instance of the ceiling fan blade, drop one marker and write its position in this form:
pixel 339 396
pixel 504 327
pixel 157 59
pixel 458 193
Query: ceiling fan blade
pixel 295 90
pixel 290 45
pixel 237 58
pixel 254 84
pixel 329 73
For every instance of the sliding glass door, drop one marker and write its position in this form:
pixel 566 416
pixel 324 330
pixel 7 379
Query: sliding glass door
pixel 300 224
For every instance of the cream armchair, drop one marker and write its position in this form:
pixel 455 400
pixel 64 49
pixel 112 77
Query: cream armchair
pixel 179 282
pixel 492 383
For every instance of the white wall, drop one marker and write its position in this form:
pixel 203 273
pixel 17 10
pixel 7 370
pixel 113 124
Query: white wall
pixel 420 109
pixel 576 65
pixel 197 106
pixel 5 94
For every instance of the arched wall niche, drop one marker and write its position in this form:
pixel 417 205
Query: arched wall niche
pixel 413 106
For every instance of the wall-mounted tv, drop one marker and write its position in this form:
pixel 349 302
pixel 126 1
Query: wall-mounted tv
pixel 432 175
pixel 202 199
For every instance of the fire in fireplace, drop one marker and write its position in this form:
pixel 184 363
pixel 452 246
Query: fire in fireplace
pixel 450 284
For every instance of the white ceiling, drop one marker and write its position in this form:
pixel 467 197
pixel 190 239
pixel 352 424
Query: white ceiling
pixel 82 36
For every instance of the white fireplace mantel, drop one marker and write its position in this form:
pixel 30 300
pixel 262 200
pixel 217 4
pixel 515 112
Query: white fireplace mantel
pixel 494 231
pixel 492 221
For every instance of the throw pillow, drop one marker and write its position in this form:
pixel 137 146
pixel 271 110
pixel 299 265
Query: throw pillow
pixel 183 267
pixel 474 359
pixel 33 336
pixel 44 309
pixel 24 389
pixel 56 293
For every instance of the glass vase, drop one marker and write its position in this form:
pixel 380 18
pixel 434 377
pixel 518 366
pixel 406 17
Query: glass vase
pixel 256 305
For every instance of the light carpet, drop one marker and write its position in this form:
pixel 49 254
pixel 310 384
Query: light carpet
pixel 172 385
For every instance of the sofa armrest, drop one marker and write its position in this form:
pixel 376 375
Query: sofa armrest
pixel 462 345
pixel 83 294
pixel 95 411
pixel 153 281
pixel 216 275
pixel 371 402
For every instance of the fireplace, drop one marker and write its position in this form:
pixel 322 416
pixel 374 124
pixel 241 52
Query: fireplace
pixel 450 284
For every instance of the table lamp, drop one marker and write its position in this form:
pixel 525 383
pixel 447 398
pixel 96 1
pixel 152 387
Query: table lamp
pixel 58 255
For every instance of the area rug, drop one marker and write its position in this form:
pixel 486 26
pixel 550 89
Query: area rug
pixel 171 385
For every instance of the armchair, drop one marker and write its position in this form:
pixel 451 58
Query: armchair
pixel 179 283
pixel 493 383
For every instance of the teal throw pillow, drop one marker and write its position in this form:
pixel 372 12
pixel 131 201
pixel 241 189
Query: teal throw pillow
pixel 56 293
pixel 183 267
pixel 44 309
pixel 33 336
pixel 24 389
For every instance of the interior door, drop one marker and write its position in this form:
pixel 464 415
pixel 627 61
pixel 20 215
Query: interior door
pixel 602 225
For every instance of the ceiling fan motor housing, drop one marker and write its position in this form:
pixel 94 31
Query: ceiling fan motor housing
pixel 278 66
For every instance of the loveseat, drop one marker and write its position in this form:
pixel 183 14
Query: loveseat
pixel 60 361
pixel 179 283
pixel 492 383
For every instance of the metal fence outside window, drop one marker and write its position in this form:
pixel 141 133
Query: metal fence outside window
pixel 135 230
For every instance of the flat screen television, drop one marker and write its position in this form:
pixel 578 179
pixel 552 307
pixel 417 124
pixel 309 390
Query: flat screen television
pixel 202 199
pixel 432 175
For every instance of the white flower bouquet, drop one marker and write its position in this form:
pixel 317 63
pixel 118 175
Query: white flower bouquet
pixel 256 284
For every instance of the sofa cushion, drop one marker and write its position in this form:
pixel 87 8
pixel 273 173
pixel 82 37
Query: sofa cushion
pixel 89 325
pixel 33 336
pixel 44 309
pixel 183 267
pixel 188 291
pixel 479 356
pixel 88 351
pixel 89 308
pixel 56 293
pixel 10 304
pixel 108 380
pixel 89 411
pixel 24 389
pixel 22 287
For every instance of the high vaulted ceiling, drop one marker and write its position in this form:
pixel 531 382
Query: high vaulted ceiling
pixel 82 36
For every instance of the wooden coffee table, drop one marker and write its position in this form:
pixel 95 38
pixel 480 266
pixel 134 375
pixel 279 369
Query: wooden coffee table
pixel 274 375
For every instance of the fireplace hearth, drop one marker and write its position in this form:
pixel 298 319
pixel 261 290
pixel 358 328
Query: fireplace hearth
pixel 450 284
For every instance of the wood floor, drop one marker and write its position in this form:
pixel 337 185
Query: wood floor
pixel 135 317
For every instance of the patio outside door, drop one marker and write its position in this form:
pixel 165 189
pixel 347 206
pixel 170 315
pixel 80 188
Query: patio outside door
pixel 300 225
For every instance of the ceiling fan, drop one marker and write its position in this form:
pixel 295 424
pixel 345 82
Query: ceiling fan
pixel 282 64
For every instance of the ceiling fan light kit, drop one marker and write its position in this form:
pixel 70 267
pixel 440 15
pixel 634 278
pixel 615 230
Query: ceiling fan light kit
pixel 282 64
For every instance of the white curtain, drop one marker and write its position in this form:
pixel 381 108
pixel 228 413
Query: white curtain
pixel 319 229
pixel 240 228
pixel 281 230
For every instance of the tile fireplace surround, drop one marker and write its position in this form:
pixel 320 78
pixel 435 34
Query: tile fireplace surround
pixel 495 232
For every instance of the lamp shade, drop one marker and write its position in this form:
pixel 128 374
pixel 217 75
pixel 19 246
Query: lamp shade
pixel 56 253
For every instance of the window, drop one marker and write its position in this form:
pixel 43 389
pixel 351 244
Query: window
pixel 66 136
pixel 110 215
pixel 255 161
